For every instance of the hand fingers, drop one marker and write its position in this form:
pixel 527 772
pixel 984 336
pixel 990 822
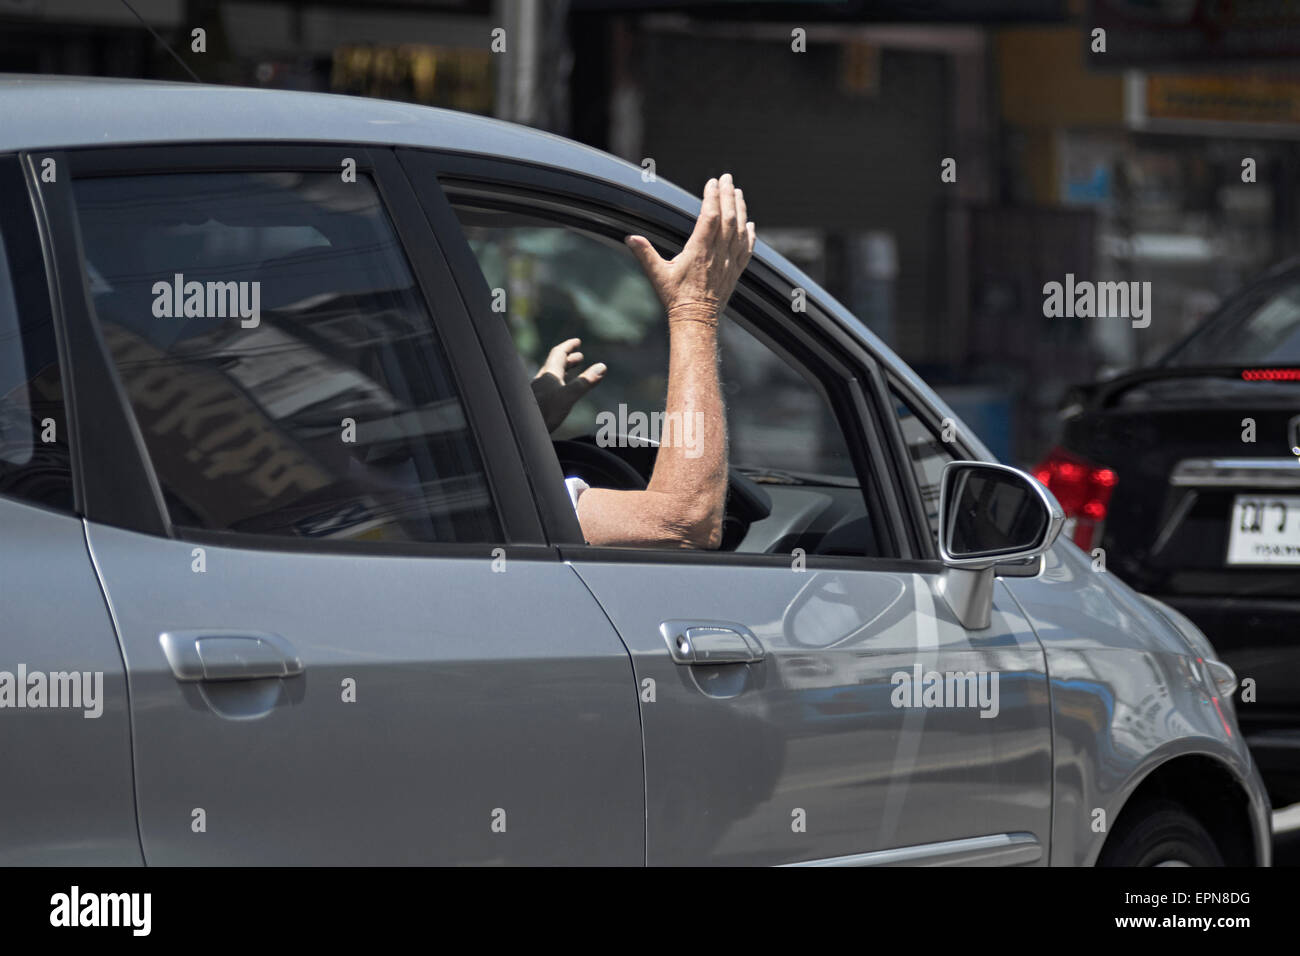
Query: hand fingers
pixel 744 244
pixel 588 380
pixel 645 254
pixel 572 359
pixel 706 227
pixel 557 358
pixel 727 207
pixel 751 235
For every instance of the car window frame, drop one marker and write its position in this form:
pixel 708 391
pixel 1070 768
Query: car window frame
pixel 117 474
pixel 892 385
pixel 606 208
pixel 962 451
pixel 15 175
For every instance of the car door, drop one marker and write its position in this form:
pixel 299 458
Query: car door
pixel 345 638
pixel 64 727
pixel 782 679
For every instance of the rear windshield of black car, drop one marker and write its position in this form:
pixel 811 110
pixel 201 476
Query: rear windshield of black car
pixel 1260 328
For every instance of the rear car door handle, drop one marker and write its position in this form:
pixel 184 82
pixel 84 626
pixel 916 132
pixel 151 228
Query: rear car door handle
pixel 711 642
pixel 228 655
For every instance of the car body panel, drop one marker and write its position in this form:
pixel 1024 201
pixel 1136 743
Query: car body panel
pixel 806 754
pixel 1125 699
pixel 68 797
pixel 469 697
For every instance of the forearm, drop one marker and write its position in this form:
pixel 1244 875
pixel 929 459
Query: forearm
pixel 691 463
pixel 684 501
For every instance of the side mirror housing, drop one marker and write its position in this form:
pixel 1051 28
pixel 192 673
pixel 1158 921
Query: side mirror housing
pixel 989 515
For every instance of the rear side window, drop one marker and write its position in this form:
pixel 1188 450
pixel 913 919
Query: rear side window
pixel 34 462
pixel 279 358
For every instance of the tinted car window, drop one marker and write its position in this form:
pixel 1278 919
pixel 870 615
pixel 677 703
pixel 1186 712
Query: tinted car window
pixel 279 358
pixel 34 461
pixel 1262 329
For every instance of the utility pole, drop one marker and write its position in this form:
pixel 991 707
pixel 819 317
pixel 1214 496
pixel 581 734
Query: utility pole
pixel 533 70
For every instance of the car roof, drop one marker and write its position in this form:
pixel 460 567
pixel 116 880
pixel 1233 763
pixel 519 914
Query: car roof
pixel 44 112
pixel 64 112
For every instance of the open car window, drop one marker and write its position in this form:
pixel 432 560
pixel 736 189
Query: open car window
pixel 552 281
pixel 560 282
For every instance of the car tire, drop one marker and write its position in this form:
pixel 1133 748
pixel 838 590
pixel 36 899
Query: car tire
pixel 1159 833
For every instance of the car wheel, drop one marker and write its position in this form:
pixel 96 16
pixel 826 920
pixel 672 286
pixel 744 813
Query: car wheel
pixel 1159 833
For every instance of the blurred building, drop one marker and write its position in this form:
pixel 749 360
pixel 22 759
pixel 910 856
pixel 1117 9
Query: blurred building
pixel 428 51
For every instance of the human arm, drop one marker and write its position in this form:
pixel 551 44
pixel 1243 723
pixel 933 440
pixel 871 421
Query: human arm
pixel 682 505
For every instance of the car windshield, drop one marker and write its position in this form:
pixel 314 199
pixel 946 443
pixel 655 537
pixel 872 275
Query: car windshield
pixel 1262 329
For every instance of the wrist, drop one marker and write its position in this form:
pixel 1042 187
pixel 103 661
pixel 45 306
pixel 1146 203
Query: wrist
pixel 695 313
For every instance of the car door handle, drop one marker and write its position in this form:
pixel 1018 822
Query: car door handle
pixel 228 655
pixel 711 642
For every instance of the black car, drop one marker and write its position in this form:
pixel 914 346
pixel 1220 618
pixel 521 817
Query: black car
pixel 1186 476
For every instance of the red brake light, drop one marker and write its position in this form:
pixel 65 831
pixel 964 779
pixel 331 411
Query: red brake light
pixel 1271 375
pixel 1083 489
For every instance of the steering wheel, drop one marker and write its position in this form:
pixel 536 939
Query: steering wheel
pixel 596 466
pixel 746 501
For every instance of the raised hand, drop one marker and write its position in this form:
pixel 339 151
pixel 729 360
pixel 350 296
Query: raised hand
pixel 696 283
pixel 555 392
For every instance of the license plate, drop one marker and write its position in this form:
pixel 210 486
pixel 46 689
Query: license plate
pixel 1265 529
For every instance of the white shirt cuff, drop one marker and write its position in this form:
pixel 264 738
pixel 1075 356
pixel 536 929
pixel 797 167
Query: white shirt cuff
pixel 575 487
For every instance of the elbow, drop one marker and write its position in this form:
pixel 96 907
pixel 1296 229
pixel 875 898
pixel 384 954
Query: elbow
pixel 713 540
pixel 708 537
pixel 699 527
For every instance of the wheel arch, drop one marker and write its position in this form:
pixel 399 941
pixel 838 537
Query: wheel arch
pixel 1209 790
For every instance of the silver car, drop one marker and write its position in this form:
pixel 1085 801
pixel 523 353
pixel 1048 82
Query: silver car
pixel 289 575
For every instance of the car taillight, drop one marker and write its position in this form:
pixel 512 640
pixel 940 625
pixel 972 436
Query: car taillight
pixel 1083 489
pixel 1271 375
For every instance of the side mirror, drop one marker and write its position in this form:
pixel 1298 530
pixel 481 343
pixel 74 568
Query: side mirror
pixel 989 515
